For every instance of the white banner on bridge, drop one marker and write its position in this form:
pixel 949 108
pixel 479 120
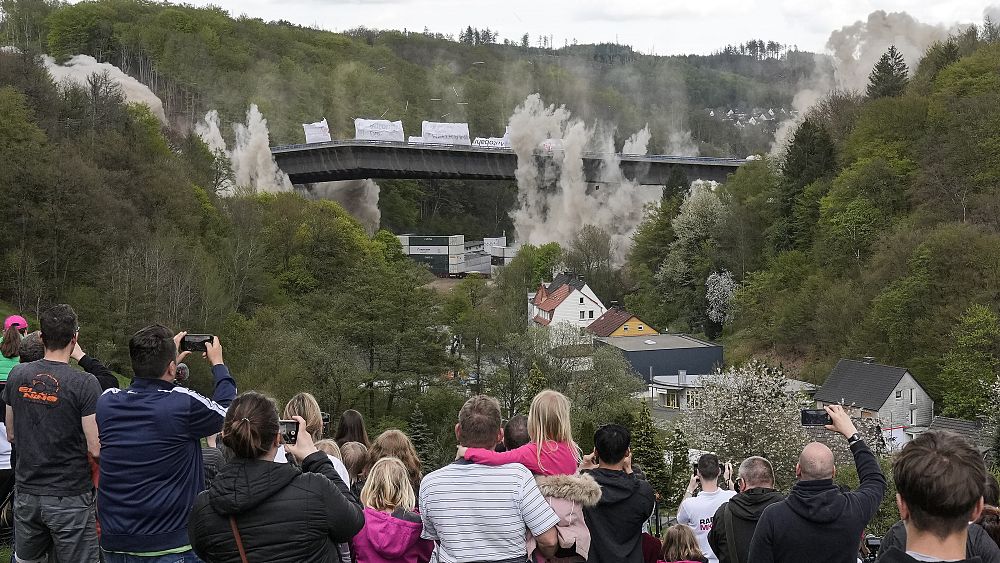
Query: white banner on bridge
pixel 492 142
pixel 378 130
pixel 318 132
pixel 446 133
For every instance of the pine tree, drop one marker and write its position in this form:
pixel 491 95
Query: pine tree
pixel 647 452
pixel 420 435
pixel 679 471
pixel 889 77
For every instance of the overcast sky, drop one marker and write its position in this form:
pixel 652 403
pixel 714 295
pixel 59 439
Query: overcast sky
pixel 663 26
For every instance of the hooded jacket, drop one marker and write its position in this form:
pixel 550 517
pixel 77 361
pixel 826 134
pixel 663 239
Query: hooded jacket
pixel 896 555
pixel 283 515
pixel 979 543
pixel 746 509
pixel 817 522
pixel 568 495
pixel 615 522
pixel 387 538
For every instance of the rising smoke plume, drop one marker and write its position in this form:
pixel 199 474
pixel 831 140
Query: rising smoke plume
pixel 358 197
pixel 638 143
pixel 253 167
pixel 554 200
pixel 855 49
pixel 79 68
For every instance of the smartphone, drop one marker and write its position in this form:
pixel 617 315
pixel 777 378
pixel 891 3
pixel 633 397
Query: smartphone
pixel 694 468
pixel 815 417
pixel 289 430
pixel 195 342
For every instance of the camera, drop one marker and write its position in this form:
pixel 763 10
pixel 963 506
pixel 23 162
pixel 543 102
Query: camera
pixel 815 417
pixel 289 430
pixel 196 342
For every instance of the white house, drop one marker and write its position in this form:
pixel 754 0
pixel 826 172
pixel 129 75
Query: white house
pixel 567 299
pixel 887 393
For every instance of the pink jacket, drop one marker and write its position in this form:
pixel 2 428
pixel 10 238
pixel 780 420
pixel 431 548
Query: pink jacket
pixel 387 539
pixel 558 458
pixel 567 495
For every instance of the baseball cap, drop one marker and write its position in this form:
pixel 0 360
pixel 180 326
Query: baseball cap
pixel 15 320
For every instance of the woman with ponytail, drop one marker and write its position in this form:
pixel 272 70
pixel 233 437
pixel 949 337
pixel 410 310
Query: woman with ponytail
pixel 259 510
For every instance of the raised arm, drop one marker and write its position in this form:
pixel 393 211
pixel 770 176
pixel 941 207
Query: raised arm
pixel 526 455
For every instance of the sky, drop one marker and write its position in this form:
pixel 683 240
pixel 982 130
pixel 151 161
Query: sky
pixel 651 26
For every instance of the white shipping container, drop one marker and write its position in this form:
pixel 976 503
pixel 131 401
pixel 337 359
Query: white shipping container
pixel 456 259
pixel 456 240
pixel 428 250
pixel 406 250
pixel 404 239
pixel 496 241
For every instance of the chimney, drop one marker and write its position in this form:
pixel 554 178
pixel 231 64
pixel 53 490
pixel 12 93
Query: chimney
pixel 868 360
pixel 615 305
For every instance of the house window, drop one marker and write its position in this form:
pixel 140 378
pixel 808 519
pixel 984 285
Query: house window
pixel 581 301
pixel 913 396
pixel 669 399
pixel 590 315
pixel 693 399
pixel 913 418
pixel 625 328
pixel 639 328
pixel 582 315
pixel 899 393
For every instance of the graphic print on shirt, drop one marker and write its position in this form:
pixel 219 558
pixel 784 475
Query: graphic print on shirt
pixel 44 390
pixel 705 524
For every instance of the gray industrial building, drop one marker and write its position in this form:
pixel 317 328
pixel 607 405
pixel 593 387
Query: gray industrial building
pixel 667 354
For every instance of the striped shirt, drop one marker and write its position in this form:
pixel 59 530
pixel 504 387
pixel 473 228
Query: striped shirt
pixel 481 513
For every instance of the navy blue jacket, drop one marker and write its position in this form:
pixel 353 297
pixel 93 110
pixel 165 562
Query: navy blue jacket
pixel 151 463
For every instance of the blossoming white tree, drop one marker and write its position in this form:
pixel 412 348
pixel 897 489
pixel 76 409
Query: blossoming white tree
pixel 747 410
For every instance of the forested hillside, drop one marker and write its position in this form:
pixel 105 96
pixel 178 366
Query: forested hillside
pixel 198 59
pixel 877 234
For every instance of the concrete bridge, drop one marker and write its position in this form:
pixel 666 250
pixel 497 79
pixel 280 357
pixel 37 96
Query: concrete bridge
pixel 353 160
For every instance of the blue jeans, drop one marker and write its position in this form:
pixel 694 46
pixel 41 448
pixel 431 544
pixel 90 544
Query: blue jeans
pixel 184 557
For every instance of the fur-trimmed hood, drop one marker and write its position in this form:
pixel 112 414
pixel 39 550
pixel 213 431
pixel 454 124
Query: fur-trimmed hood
pixel 577 488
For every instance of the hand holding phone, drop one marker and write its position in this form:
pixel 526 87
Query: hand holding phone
pixel 303 446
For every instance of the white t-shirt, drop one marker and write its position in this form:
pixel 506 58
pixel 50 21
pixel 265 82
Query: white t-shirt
pixel 4 448
pixel 337 464
pixel 698 513
pixel 480 513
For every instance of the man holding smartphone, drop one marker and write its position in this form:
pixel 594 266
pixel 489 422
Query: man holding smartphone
pixel 818 522
pixel 151 459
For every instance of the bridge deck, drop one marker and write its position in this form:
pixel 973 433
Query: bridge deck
pixel 352 159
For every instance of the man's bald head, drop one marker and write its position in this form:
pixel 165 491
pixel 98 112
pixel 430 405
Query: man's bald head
pixel 815 463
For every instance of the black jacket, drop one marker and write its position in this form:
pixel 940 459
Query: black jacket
pixel 616 521
pixel 283 514
pixel 746 509
pixel 817 522
pixel 979 543
pixel 896 555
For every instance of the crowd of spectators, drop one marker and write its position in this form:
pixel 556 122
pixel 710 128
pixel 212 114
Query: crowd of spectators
pixel 155 472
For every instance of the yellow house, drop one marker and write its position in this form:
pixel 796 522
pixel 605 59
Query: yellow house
pixel 619 322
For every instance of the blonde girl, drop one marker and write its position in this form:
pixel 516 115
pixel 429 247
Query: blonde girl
pixel 680 545
pixel 392 530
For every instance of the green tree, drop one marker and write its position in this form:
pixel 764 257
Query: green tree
pixel 890 75
pixel 648 451
pixel 679 470
pixel 537 382
pixel 423 441
pixel 972 365
pixel 811 156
